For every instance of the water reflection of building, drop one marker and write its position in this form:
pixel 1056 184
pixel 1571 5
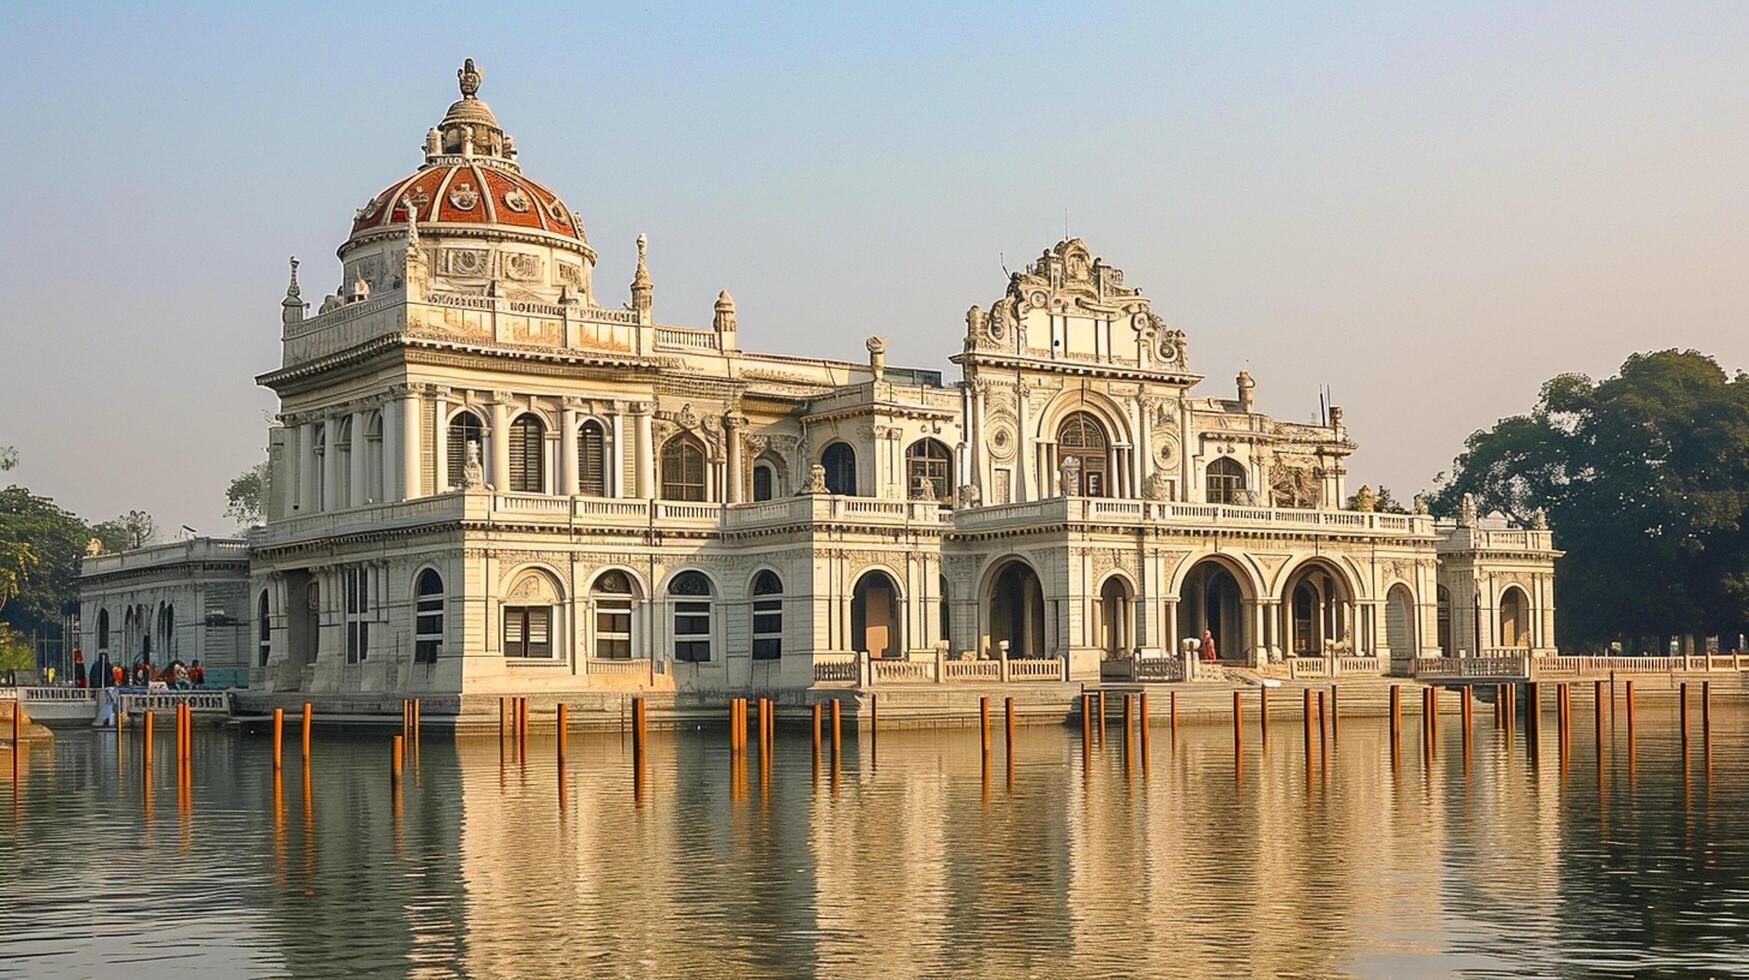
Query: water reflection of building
pixel 484 480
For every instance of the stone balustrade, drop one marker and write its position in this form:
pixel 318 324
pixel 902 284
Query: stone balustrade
pixel 1120 512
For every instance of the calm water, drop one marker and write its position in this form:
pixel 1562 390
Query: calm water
pixel 906 864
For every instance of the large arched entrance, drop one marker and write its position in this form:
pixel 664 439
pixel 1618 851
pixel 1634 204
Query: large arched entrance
pixel 1514 618
pixel 1318 606
pixel 1213 601
pixel 874 615
pixel 1017 611
pixel 1081 456
pixel 1400 621
pixel 1115 624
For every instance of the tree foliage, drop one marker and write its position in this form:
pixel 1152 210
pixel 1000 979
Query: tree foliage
pixel 54 540
pixel 1645 479
pixel 246 497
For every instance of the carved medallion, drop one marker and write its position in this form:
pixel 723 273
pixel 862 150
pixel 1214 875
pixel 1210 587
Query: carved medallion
pixel 516 200
pixel 463 196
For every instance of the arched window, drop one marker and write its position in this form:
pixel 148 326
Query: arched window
pixel 691 593
pixel 764 481
pixel 464 428
pixel 529 624
pixel 683 474
pixel 428 617
pixel 840 462
pixel 591 459
pixel 343 458
pixel 1444 620
pixel 263 630
pixel 102 629
pixel 767 616
pixel 1226 481
pixel 928 464
pixel 527 453
pixel 373 459
pixel 1081 456
pixel 613 616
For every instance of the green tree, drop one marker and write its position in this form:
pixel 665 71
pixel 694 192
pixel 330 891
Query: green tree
pixel 54 540
pixel 246 497
pixel 1645 479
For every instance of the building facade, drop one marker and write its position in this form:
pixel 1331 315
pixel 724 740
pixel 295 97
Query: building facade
pixel 484 480
pixel 181 600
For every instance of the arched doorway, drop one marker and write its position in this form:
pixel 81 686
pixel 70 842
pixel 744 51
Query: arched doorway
pixel 1514 618
pixel 1319 610
pixel 1214 599
pixel 1116 621
pixel 840 463
pixel 1082 456
pixel 1400 621
pixel 1017 612
pixel 874 616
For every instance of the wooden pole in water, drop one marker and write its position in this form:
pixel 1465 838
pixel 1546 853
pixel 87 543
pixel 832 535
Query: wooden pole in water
pixel 1172 705
pixel 1086 720
pixel 1706 713
pixel 395 749
pixel 836 741
pixel 1630 697
pixel 1306 717
pixel 1008 721
pixel 1682 713
pixel 1323 719
pixel 1335 716
pixel 1238 720
pixel 1533 712
pixel 1129 713
pixel 874 717
pixel 638 731
pixel 278 735
pixel 1142 720
pixel 306 731
pixel 1262 715
pixel 984 724
pixel 561 726
pixel 1396 716
pixel 1099 729
pixel 146 734
pixel 418 717
pixel 503 718
pixel 816 728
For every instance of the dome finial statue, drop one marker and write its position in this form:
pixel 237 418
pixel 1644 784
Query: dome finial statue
pixel 468 77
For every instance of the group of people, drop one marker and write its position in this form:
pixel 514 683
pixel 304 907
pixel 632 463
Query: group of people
pixel 103 672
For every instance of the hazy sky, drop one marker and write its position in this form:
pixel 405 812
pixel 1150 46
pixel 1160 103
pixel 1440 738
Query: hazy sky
pixel 1431 210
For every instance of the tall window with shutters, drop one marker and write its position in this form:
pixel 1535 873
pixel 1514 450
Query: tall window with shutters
pixel 356 587
pixel 591 459
pixel 613 616
pixel 528 632
pixel 527 454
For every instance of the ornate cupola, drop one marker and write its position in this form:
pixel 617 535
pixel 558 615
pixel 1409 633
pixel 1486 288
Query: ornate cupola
pixel 481 225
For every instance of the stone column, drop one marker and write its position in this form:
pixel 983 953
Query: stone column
pixel 499 435
pixel 393 411
pixel 613 455
pixel 645 452
pixel 980 451
pixel 331 462
pixel 440 440
pixel 358 479
pixel 1024 449
pixel 568 449
pixel 307 468
pixel 732 440
pixel 412 410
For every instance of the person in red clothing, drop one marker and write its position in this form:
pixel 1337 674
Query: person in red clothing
pixel 1208 646
pixel 116 674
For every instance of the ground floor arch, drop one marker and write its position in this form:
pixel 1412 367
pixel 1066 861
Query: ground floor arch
pixel 1318 610
pixel 1016 605
pixel 1514 618
pixel 1115 619
pixel 1214 603
pixel 874 615
pixel 1400 621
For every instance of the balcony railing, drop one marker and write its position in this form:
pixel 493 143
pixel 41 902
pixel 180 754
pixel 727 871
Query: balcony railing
pixel 1097 510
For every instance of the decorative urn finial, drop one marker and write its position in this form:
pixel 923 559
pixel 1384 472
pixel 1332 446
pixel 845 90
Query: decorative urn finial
pixel 468 78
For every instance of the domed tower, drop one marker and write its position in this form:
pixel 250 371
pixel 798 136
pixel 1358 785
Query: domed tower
pixel 476 223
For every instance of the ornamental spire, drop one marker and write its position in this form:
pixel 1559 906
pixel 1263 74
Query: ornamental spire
pixel 291 309
pixel 642 289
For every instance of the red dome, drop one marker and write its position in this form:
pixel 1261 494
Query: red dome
pixel 469 193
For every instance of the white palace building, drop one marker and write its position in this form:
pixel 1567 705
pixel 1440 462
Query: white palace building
pixel 487 481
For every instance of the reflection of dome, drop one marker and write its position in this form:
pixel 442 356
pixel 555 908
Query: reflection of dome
pixel 470 178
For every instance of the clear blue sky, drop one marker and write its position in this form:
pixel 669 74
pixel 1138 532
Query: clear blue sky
pixel 1430 209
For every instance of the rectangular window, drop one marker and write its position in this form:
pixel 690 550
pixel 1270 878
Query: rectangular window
pixel 692 631
pixel 428 630
pixel 613 631
pixel 768 629
pixel 355 587
pixel 528 632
